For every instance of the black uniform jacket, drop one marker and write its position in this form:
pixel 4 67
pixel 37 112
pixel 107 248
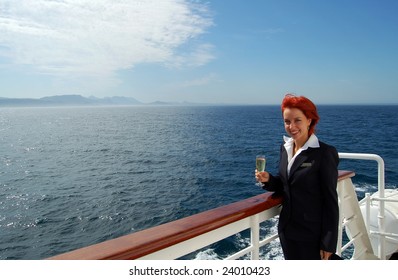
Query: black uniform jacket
pixel 310 205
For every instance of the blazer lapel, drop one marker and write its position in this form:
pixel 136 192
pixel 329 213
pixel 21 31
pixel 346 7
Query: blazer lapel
pixel 302 157
pixel 283 165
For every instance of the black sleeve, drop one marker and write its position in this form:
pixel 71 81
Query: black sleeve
pixel 330 215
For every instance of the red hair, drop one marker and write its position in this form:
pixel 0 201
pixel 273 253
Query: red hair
pixel 303 104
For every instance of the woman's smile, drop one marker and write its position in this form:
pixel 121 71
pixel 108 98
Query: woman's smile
pixel 296 125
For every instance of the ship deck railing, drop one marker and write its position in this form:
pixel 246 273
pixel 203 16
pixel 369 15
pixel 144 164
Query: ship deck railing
pixel 381 199
pixel 182 237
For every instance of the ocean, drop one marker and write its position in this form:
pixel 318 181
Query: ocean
pixel 75 176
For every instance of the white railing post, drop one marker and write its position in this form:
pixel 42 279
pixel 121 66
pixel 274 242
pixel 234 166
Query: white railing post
pixel 381 216
pixel 255 237
pixel 340 228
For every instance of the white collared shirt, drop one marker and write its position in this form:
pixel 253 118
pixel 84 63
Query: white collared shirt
pixel 312 142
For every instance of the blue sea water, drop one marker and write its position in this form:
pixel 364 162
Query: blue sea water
pixel 75 176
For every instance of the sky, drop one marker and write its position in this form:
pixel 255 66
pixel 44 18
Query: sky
pixel 215 51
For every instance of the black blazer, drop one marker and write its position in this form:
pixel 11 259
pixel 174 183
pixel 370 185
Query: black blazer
pixel 310 205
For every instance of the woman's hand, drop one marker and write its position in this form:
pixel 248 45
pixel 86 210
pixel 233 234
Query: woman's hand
pixel 325 255
pixel 262 177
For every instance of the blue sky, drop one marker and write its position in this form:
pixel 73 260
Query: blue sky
pixel 217 51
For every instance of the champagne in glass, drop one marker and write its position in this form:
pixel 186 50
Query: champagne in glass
pixel 260 163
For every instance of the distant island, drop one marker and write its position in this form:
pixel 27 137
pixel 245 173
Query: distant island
pixel 76 100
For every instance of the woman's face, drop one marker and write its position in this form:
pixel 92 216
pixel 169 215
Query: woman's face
pixel 296 124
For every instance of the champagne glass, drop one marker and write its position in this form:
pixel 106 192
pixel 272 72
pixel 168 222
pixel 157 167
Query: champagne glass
pixel 260 165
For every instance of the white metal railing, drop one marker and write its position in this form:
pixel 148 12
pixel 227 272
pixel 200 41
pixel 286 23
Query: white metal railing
pixel 181 237
pixel 191 245
pixel 382 234
pixel 252 222
pixel 381 199
pixel 116 249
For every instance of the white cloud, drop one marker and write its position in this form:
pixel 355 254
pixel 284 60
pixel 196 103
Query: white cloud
pixel 198 56
pixel 70 38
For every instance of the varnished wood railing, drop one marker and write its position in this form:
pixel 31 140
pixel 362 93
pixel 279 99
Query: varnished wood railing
pixel 145 242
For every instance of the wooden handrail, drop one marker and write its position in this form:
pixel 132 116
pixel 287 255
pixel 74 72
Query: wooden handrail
pixel 136 245
pixel 344 174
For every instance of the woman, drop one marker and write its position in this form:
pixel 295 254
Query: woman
pixel 307 179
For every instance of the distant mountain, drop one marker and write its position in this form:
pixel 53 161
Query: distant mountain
pixel 119 100
pixel 68 100
pixel 78 100
pixel 65 100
